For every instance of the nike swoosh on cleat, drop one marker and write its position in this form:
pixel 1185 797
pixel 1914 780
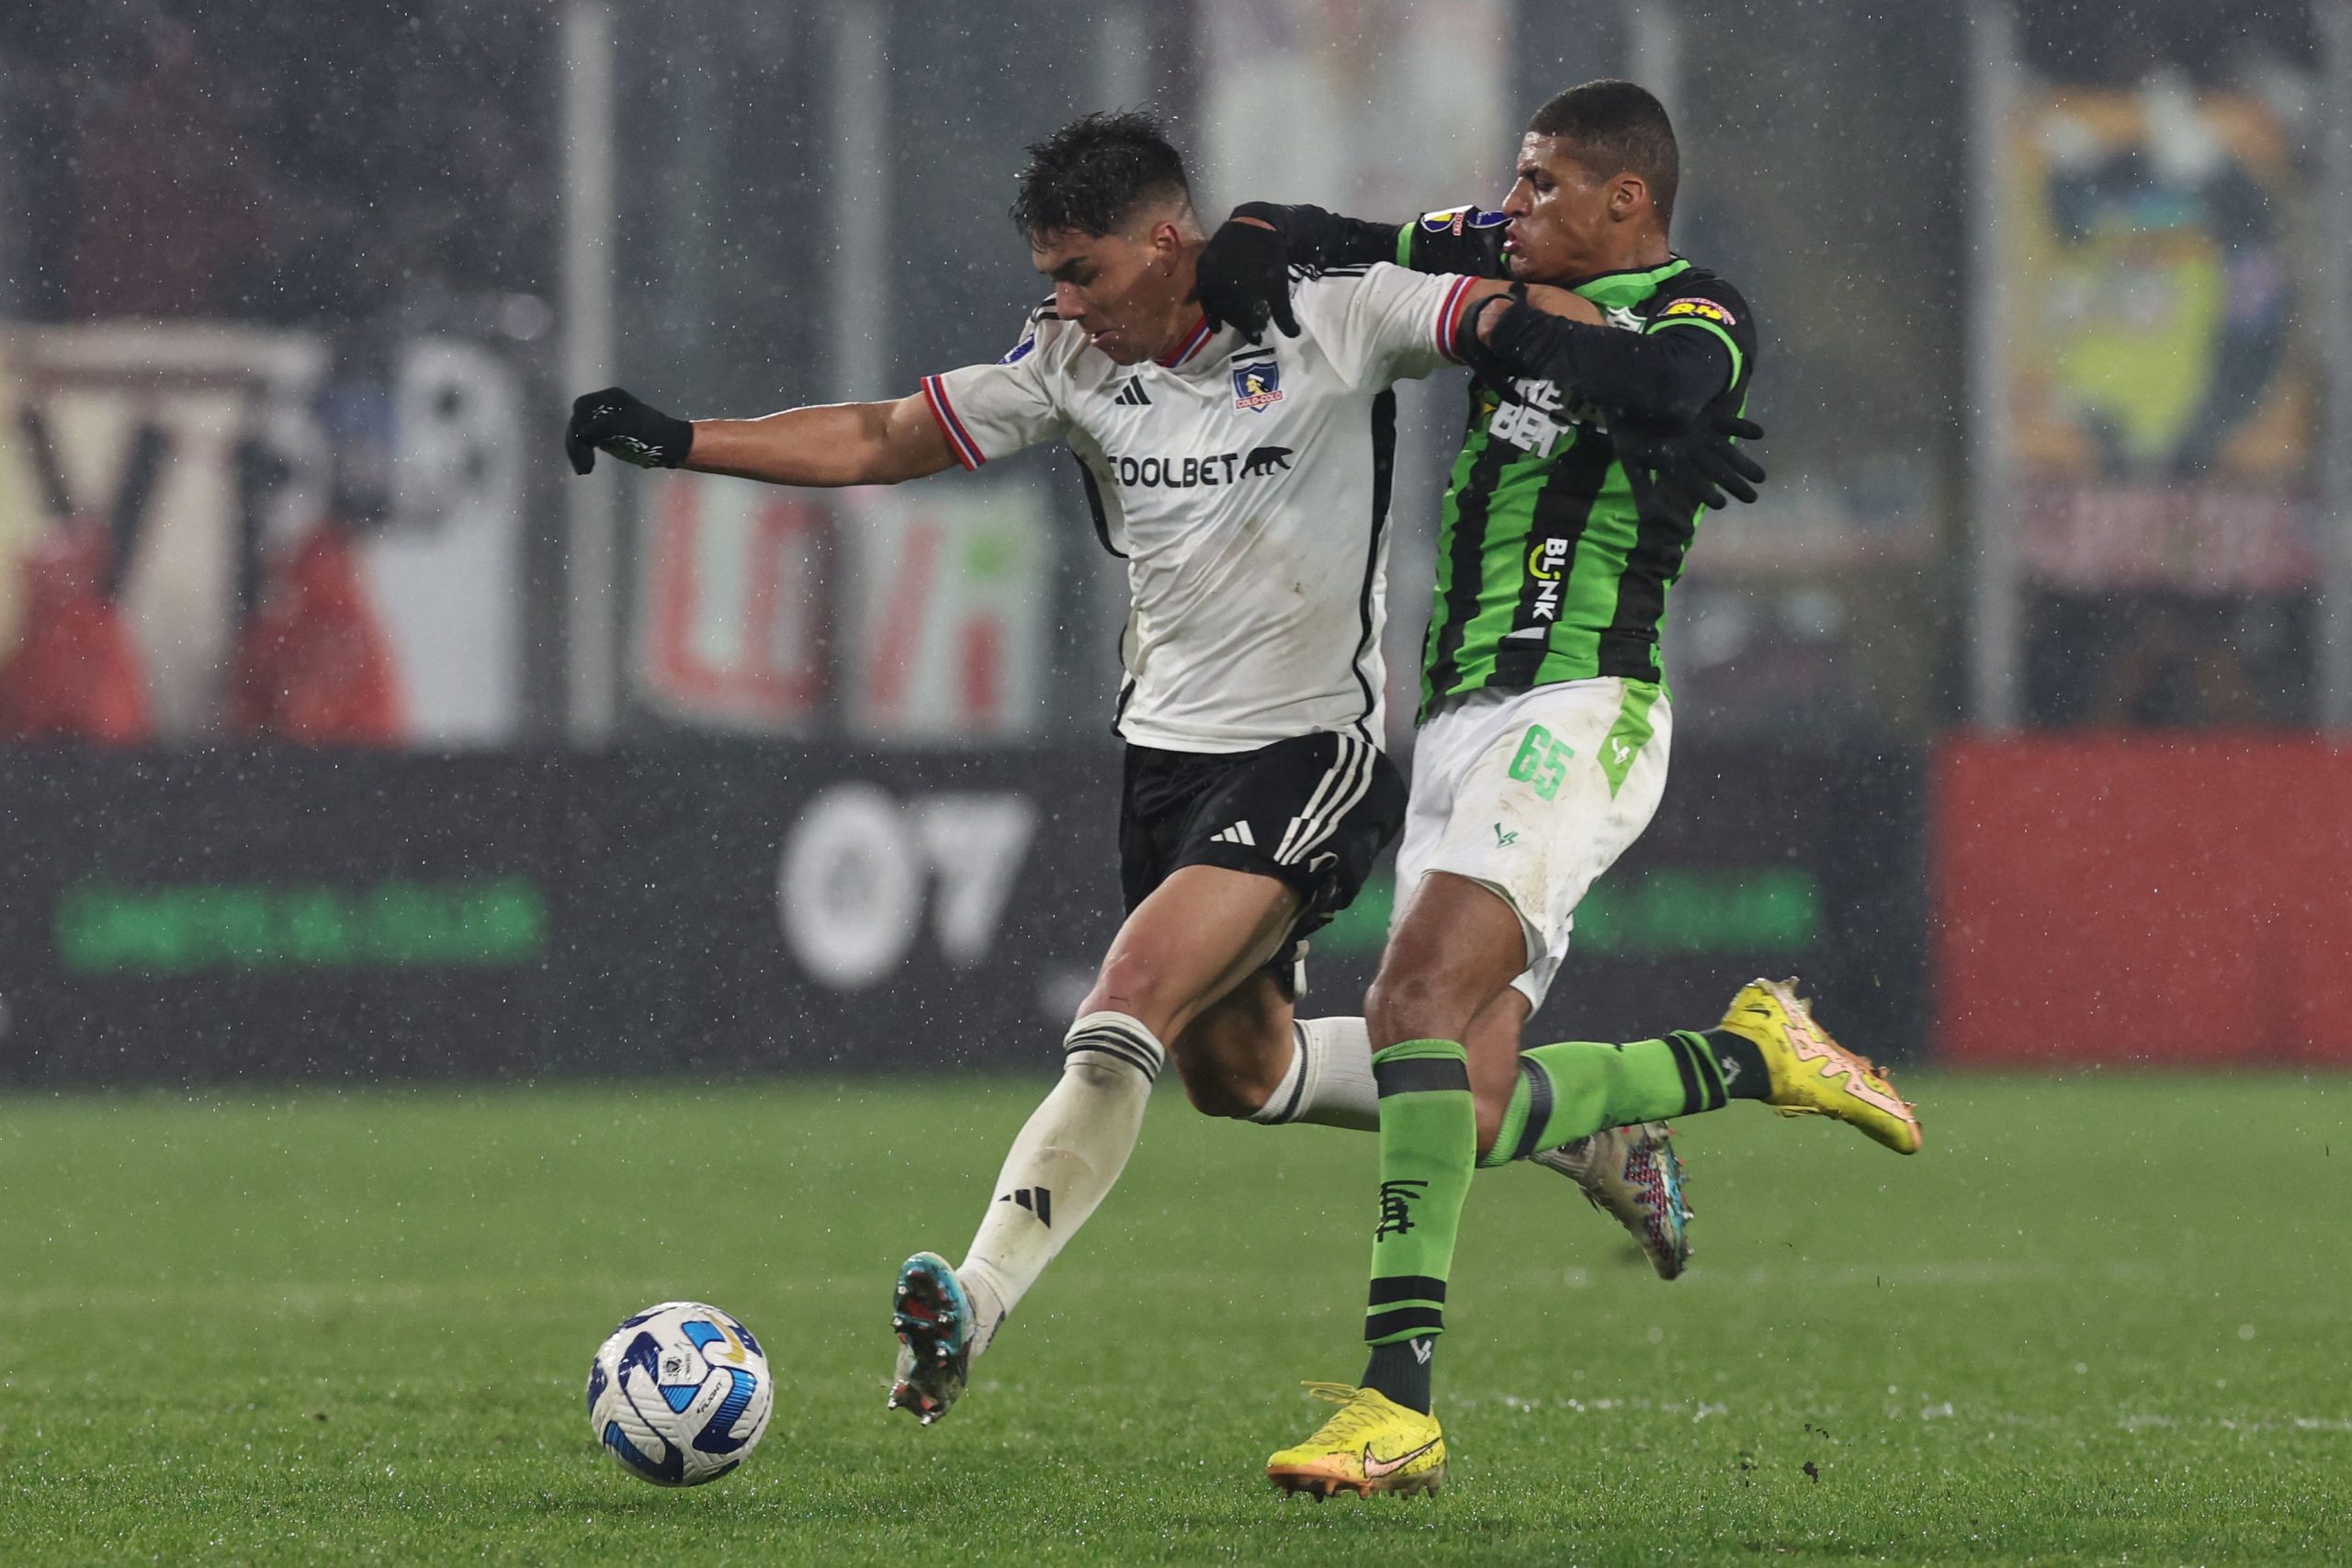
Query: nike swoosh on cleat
pixel 1856 1084
pixel 1377 1469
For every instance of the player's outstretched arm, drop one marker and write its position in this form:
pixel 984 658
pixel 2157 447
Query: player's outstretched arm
pixel 1565 303
pixel 1243 275
pixel 1664 376
pixel 825 445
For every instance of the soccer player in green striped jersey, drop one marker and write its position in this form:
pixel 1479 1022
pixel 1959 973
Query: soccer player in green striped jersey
pixel 1545 718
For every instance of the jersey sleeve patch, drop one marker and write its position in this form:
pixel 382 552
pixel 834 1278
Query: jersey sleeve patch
pixel 1704 310
pixel 959 440
pixel 1459 220
pixel 1448 319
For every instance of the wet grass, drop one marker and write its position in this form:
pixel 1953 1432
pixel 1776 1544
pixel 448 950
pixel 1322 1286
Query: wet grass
pixel 2100 1319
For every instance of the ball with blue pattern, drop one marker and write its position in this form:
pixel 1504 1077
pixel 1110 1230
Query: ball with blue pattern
pixel 680 1393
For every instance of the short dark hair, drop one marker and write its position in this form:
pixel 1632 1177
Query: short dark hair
pixel 1094 173
pixel 1614 127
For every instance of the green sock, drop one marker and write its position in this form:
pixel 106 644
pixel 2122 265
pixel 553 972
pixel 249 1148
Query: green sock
pixel 1429 1144
pixel 1576 1087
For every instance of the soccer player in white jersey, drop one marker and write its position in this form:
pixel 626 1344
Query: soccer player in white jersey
pixel 1246 486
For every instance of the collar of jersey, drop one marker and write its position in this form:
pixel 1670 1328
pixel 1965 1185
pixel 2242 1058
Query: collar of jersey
pixel 1191 344
pixel 1630 287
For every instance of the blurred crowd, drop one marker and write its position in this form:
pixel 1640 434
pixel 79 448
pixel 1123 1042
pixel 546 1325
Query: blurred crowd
pixel 374 173
pixel 259 161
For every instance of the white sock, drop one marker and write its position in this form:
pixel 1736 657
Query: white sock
pixel 1063 1163
pixel 1329 1081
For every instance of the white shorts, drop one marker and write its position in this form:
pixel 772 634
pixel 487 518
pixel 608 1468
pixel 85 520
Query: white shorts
pixel 1532 794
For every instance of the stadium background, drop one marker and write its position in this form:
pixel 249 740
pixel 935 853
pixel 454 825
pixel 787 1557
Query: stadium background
pixel 349 737
pixel 446 906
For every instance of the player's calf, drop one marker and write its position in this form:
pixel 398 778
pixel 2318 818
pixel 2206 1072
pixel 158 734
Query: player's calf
pixel 1237 1055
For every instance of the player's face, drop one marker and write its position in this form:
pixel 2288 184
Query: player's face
pixel 1118 289
pixel 1563 215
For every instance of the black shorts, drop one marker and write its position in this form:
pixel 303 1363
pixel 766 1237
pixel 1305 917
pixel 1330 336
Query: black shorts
pixel 1313 811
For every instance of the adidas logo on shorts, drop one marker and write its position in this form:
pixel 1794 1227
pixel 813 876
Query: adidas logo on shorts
pixel 1237 834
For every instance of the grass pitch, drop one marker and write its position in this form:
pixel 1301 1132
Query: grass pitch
pixel 2100 1319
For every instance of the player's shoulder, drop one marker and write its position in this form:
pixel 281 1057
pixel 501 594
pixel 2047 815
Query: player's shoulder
pixel 1706 295
pixel 1347 307
pixel 1339 284
pixel 1047 339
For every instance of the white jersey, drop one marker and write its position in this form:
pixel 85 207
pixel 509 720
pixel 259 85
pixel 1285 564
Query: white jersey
pixel 1247 488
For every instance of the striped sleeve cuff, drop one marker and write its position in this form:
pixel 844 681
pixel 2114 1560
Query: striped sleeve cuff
pixel 959 440
pixel 1448 319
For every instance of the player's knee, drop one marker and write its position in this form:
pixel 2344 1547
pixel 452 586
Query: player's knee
pixel 1411 1002
pixel 1138 990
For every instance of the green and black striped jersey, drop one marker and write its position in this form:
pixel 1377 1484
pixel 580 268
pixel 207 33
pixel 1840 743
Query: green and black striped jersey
pixel 1546 570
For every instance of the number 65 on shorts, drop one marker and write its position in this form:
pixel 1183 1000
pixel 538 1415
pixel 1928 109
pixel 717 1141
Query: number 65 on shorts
pixel 1533 795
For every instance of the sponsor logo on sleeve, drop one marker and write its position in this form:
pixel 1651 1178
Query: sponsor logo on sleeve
pixel 1705 310
pixel 1455 219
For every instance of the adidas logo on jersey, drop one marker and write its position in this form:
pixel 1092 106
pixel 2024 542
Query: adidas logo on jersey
pixel 1132 395
pixel 1237 834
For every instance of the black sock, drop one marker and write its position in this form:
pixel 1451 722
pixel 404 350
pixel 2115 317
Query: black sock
pixel 1741 1062
pixel 1402 1372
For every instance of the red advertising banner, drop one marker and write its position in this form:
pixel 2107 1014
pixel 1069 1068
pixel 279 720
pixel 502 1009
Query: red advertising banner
pixel 733 630
pixel 2142 899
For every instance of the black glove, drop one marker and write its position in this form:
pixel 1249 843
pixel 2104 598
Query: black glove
pixel 1676 469
pixel 1243 278
pixel 629 428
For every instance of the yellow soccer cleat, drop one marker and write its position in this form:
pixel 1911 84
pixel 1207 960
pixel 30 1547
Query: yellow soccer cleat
pixel 1374 1444
pixel 1812 1074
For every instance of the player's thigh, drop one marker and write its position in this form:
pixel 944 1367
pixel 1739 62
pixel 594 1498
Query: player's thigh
pixel 1558 783
pixel 1312 813
pixel 1449 934
pixel 1200 932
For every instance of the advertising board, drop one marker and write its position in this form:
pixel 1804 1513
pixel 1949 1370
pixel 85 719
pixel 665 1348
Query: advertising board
pixel 292 914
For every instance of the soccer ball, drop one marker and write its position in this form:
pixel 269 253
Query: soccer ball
pixel 680 1393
